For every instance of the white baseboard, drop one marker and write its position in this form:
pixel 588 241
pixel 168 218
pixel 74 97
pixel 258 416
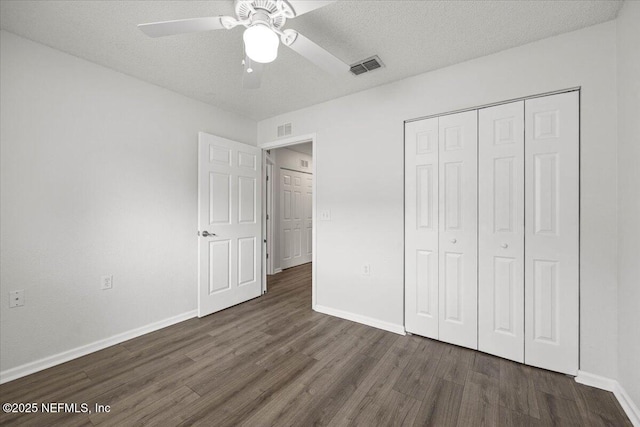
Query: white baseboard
pixel 391 327
pixel 277 270
pixel 613 386
pixel 74 353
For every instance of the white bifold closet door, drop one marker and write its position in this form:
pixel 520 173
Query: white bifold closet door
pixel 421 227
pixel 501 230
pixel 441 228
pixel 491 230
pixel 551 232
pixel 458 223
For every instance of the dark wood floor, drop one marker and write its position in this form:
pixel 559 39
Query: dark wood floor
pixel 273 361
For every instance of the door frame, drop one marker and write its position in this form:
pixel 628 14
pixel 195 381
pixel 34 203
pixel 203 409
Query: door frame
pixel 268 209
pixel 282 143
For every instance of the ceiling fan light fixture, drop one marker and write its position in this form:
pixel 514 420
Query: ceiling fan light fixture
pixel 261 43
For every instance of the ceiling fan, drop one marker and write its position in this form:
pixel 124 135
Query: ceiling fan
pixel 264 21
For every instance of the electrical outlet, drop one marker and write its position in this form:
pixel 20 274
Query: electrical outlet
pixel 366 270
pixel 325 215
pixel 106 282
pixel 16 298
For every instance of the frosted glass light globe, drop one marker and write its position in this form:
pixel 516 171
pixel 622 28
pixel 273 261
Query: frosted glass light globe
pixel 261 44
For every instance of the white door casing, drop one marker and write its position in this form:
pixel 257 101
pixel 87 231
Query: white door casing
pixel 307 219
pixel 501 230
pixel 230 209
pixel 421 227
pixel 269 215
pixel 458 251
pixel 552 232
pixel 295 217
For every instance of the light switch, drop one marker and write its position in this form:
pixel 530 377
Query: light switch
pixel 325 215
pixel 16 298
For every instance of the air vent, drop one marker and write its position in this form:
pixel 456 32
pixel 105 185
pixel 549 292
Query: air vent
pixel 284 130
pixel 366 65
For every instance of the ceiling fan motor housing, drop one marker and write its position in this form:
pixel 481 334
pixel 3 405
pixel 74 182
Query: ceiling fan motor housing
pixel 273 13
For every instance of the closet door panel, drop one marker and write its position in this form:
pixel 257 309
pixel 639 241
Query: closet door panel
pixel 458 142
pixel 552 231
pixel 421 227
pixel 501 231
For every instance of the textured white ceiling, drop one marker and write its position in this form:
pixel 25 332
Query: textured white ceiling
pixel 411 37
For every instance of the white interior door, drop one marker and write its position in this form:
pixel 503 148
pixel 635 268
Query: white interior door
pixel 229 223
pixel 295 221
pixel 421 227
pixel 551 232
pixel 458 252
pixel 501 230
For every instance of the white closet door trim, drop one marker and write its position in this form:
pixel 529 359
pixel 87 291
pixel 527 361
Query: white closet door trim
pixel 495 104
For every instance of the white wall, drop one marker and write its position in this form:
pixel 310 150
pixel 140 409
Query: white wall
pixel 366 197
pixel 98 176
pixel 289 159
pixel 629 199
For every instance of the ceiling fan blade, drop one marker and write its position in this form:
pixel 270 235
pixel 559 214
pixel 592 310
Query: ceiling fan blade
pixel 180 26
pixel 252 74
pixel 301 7
pixel 318 55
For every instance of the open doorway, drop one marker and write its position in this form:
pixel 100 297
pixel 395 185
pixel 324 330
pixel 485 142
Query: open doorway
pixel 289 207
pixel 290 217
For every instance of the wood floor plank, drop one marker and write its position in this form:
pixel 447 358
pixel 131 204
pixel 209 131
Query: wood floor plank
pixel 130 396
pixel 556 410
pixel 480 401
pixel 288 403
pixel 511 418
pixel 155 412
pixel 486 364
pixel 380 381
pixel 517 391
pixel 441 404
pixel 599 407
pixel 455 363
pixel 421 369
pixel 278 377
pixel 273 361
pixel 329 401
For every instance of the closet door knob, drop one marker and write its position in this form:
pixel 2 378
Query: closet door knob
pixel 504 246
pixel 453 240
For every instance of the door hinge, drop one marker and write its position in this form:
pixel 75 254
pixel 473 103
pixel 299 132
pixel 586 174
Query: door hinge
pixel 267 216
pixel 267 256
pixel 267 177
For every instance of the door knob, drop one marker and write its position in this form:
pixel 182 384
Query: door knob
pixel 207 234
pixel 504 246
pixel 453 240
